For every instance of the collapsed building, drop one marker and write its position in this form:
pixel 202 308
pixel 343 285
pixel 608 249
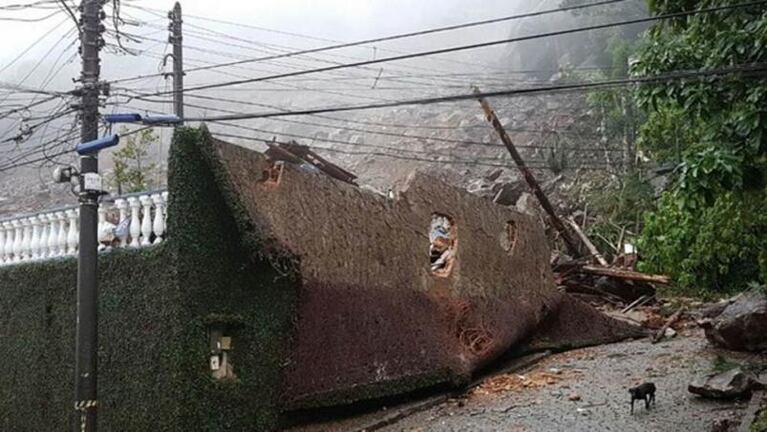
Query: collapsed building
pixel 284 286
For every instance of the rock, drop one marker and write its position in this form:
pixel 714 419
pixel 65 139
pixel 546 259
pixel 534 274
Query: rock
pixel 574 397
pixel 742 325
pixel 507 194
pixel 716 309
pixel 726 385
pixel 670 333
pixel 528 204
pixel 493 175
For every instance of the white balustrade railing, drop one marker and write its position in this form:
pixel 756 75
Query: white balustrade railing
pixel 135 220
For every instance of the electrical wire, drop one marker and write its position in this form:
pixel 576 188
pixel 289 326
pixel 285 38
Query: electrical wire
pixel 466 47
pixel 396 135
pixel 713 73
pixel 434 30
pixel 452 161
pixel 30 47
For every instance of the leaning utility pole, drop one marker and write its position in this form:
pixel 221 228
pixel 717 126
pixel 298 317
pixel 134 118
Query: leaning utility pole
pixel 572 247
pixel 178 61
pixel 86 361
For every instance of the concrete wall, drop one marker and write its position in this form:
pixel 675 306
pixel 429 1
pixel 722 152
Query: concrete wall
pixel 371 319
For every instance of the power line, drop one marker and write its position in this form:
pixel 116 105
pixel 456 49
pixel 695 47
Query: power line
pixel 40 39
pixel 753 68
pixel 402 135
pixel 34 5
pixel 472 46
pixel 410 34
pixel 31 20
pixel 26 107
pixel 452 161
pixel 71 14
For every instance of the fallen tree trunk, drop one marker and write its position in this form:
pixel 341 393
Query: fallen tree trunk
pixel 626 274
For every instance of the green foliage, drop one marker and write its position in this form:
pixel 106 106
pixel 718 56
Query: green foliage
pixel 614 110
pixel 709 230
pixel 138 309
pixel 619 206
pixel 132 170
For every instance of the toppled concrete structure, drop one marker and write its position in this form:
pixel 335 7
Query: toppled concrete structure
pixel 373 313
pixel 379 312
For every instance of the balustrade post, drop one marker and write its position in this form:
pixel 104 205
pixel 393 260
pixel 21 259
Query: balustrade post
pixel 35 244
pixel 18 239
pixel 3 237
pixel 26 241
pixel 122 206
pixel 146 219
pixel 10 240
pixel 135 222
pixel 73 233
pixel 61 240
pixel 159 218
pixel 53 234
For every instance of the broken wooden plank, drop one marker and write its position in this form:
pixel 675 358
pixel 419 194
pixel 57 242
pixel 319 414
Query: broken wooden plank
pixel 638 302
pixel 589 245
pixel 626 274
pixel 670 321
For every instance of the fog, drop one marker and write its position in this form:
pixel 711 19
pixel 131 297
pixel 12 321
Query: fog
pixel 43 56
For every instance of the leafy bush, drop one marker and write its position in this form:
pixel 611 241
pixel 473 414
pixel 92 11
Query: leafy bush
pixel 709 230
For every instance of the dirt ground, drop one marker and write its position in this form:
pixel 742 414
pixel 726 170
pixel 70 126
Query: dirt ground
pixel 580 390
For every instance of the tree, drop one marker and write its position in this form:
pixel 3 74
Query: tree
pixel 132 169
pixel 709 229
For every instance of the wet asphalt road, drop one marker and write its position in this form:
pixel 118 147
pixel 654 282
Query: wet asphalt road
pixel 599 378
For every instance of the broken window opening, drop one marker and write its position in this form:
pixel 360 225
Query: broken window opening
pixel 273 174
pixel 442 242
pixel 509 239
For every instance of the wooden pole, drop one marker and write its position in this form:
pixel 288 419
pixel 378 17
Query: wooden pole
pixel 589 245
pixel 572 247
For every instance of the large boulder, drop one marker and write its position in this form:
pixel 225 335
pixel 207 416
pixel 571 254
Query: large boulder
pixel 741 326
pixel 726 385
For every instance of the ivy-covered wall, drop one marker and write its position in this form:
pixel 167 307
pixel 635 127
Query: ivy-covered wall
pixel 223 281
pixel 138 320
pixel 155 309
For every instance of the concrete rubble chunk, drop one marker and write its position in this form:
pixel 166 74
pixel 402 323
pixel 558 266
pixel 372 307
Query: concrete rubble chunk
pixel 741 326
pixel 732 384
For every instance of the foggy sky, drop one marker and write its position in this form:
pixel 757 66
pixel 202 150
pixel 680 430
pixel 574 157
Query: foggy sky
pixel 344 20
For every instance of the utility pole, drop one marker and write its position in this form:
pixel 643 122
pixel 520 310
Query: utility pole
pixel 572 247
pixel 86 361
pixel 176 39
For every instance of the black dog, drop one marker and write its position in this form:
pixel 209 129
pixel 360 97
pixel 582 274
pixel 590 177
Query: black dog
pixel 645 392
